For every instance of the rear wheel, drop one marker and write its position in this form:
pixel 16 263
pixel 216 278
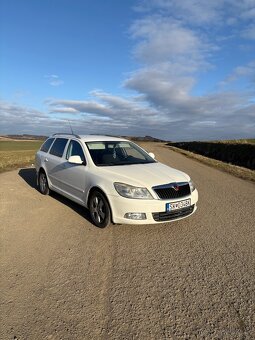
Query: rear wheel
pixel 43 183
pixel 99 209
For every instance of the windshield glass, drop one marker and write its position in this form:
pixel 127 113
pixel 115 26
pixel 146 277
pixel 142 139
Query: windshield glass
pixel 117 153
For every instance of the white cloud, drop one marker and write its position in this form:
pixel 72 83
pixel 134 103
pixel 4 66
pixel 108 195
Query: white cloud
pixel 201 12
pixel 75 106
pixel 247 71
pixel 162 40
pixel 54 80
pixel 110 107
pixel 249 14
pixel 176 44
pixel 21 119
pixel 63 109
pixel 162 88
pixel 178 117
pixel 204 123
pixel 249 32
pixel 198 12
pixel 207 117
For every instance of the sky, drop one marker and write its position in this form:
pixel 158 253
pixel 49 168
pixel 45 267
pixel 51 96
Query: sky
pixel 172 69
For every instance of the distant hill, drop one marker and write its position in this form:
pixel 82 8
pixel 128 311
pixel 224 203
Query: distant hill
pixel 24 137
pixel 144 139
pixel 36 137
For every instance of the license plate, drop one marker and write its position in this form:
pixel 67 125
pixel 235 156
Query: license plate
pixel 178 205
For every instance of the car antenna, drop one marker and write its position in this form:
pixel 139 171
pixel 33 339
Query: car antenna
pixel 70 127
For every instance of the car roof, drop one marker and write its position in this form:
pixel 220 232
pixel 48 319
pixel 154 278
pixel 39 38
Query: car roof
pixel 89 138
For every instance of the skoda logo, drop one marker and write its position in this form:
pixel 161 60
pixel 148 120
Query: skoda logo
pixel 176 187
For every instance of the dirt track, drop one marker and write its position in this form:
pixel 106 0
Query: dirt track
pixel 63 278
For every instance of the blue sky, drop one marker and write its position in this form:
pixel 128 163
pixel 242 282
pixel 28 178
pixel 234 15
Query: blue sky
pixel 178 70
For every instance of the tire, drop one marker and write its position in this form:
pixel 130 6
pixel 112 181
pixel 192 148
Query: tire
pixel 99 209
pixel 43 183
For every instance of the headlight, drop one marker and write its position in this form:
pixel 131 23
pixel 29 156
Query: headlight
pixel 129 191
pixel 192 186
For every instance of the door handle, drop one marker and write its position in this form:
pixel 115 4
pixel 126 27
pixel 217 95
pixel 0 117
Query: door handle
pixel 46 160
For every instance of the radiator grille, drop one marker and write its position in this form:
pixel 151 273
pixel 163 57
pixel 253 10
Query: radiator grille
pixel 172 190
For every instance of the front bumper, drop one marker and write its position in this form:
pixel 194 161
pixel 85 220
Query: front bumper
pixel 152 208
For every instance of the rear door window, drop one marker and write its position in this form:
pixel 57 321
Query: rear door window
pixel 58 147
pixel 46 145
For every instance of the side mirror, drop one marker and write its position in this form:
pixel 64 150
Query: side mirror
pixel 152 155
pixel 75 160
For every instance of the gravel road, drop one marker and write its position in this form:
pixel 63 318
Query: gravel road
pixel 63 278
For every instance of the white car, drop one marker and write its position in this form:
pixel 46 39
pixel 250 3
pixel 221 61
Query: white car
pixel 115 179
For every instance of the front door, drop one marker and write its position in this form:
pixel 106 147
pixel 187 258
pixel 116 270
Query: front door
pixel 73 176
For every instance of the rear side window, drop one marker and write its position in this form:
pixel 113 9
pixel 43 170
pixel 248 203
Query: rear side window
pixel 46 145
pixel 58 147
pixel 75 149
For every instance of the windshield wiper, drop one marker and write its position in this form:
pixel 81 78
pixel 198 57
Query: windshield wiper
pixel 117 164
pixel 142 163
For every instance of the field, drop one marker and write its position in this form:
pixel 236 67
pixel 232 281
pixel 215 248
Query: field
pixel 237 152
pixel 237 141
pixel 21 153
pixel 15 154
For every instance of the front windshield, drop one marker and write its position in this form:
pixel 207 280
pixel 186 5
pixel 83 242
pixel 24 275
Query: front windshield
pixel 117 153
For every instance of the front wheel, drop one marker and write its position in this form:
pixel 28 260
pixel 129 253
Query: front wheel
pixel 99 209
pixel 43 183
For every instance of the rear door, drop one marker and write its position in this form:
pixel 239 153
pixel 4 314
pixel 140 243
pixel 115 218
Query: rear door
pixel 42 154
pixel 54 162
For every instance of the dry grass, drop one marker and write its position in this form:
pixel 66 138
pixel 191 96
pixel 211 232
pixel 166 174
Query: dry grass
pixel 237 141
pixel 16 159
pixel 237 171
pixel 17 154
pixel 20 145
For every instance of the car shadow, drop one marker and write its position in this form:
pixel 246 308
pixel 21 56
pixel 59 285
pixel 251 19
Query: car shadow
pixel 29 176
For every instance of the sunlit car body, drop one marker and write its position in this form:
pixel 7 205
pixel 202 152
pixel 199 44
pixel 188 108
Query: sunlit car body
pixel 115 179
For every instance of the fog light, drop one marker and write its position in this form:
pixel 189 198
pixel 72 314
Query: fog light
pixel 135 216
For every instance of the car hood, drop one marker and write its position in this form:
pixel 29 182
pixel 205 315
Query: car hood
pixel 145 175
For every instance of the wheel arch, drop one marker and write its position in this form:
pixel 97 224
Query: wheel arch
pixel 97 188
pixel 41 169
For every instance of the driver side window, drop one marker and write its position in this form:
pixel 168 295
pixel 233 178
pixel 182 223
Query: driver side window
pixel 75 149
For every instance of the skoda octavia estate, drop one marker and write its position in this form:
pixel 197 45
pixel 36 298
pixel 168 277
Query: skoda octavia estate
pixel 115 179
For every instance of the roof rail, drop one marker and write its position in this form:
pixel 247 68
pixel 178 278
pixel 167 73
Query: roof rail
pixel 69 134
